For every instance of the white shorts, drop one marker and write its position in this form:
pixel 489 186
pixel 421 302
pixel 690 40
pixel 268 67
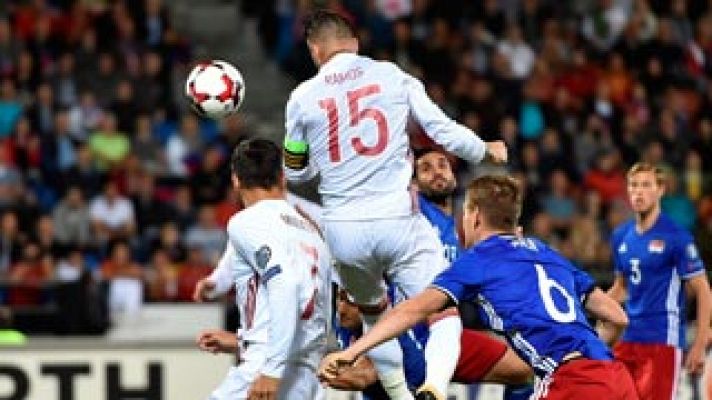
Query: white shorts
pixel 299 382
pixel 405 251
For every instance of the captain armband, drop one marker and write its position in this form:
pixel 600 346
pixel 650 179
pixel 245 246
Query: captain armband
pixel 296 154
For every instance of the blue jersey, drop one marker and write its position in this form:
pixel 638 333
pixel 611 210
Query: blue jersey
pixel 445 224
pixel 654 265
pixel 530 294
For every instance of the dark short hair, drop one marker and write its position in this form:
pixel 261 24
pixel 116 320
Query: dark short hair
pixel 498 198
pixel 322 22
pixel 257 163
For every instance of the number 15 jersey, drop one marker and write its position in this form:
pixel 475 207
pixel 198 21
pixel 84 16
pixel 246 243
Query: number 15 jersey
pixel 348 124
pixel 654 265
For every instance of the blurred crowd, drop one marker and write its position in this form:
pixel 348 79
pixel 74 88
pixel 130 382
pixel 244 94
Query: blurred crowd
pixel 104 175
pixel 579 90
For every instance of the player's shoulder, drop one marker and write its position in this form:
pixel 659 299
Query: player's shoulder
pixel 250 219
pixel 302 90
pixel 670 229
pixel 621 230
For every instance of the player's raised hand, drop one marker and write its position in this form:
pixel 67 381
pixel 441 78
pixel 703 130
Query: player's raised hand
pixel 202 288
pixel 496 152
pixel 217 341
pixel 695 360
pixel 332 364
pixel 264 388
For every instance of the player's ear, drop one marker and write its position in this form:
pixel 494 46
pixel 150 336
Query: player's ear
pixel 235 181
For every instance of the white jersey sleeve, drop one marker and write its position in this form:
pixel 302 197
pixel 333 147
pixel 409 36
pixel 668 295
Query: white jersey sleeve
pixel 297 165
pixel 272 261
pixel 455 138
pixel 222 275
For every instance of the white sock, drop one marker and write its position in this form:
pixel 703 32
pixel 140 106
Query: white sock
pixel 442 352
pixel 387 358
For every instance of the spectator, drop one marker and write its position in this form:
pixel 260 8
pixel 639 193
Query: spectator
pixel 145 146
pixel 112 215
pixel 11 242
pixel 183 148
pixel 676 204
pixel 124 106
pixel 194 269
pixel 227 207
pixel 151 213
pixel 73 216
pixel 162 277
pixel 11 185
pixel 169 241
pixel 85 116
pixel 10 107
pixel 109 146
pixel 70 268
pixel 125 278
pixel 558 202
pixel 207 235
pixel 182 210
pixel 41 113
pixel 44 236
pixel 84 174
pixel 606 177
pixel 517 52
pixel 209 182
pixel 64 81
pixel 9 48
pixel 28 275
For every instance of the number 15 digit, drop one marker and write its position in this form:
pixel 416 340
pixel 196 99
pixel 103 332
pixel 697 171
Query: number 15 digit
pixel 355 117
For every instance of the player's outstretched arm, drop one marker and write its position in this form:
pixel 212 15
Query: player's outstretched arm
pixel 454 137
pixel 699 287
pixel 405 315
pixel 217 341
pixel 219 281
pixel 356 377
pixel 612 319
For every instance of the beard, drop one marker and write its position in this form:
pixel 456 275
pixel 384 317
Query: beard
pixel 441 196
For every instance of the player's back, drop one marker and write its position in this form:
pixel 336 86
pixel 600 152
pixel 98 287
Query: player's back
pixel 354 114
pixel 273 237
pixel 531 294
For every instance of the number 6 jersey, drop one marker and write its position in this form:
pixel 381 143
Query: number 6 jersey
pixel 348 124
pixel 531 294
pixel 655 264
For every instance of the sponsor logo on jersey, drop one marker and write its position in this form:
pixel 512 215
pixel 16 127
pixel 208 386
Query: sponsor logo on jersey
pixel 262 256
pixel 656 246
pixel 622 249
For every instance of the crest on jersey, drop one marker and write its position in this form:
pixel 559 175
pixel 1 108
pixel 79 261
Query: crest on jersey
pixel 622 249
pixel 656 246
pixel 262 256
pixel 692 251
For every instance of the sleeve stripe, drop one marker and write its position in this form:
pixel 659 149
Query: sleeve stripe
pixel 447 292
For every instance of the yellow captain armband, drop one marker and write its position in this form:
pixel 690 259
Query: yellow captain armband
pixel 296 154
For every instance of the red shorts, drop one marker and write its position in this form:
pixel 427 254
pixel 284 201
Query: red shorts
pixel 478 355
pixel 588 379
pixel 655 368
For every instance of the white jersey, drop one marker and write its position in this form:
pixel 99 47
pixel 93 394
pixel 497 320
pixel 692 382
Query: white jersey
pixel 281 269
pixel 350 119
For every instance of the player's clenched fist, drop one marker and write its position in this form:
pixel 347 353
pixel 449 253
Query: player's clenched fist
pixel 496 152
pixel 332 364
pixel 264 388
pixel 217 341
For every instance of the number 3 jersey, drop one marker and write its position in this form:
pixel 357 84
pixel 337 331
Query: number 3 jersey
pixel 655 264
pixel 281 270
pixel 529 293
pixel 348 124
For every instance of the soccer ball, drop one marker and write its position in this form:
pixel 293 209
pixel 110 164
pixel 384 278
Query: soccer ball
pixel 215 89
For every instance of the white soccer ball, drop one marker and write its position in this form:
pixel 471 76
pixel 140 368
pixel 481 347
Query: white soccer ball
pixel 215 89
